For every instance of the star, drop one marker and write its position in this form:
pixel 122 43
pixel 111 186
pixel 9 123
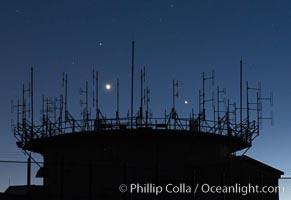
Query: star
pixel 108 86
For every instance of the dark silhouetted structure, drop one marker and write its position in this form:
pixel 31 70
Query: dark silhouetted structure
pixel 91 158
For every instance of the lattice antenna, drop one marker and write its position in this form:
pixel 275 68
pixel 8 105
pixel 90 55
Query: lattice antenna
pixel 271 116
pixel 25 110
pixel 218 111
pixel 219 101
pixel 257 104
pixel 232 111
pixel 213 106
pixel 59 105
pixel 214 109
pixel 85 111
pixel 146 97
pixel 65 88
pixel 49 108
pixel 53 109
pixel 203 101
pixel 147 100
pixel 96 94
pixel 214 114
pixel 142 81
pixel 248 111
pixel 175 94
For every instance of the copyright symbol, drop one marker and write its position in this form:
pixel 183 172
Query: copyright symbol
pixel 123 188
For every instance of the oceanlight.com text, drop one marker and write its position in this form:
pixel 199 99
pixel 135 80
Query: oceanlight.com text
pixel 183 188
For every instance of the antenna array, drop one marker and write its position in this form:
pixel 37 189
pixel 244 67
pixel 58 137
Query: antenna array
pixel 56 118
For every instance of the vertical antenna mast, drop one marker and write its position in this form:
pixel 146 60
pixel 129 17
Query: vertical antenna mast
pixel 175 94
pixel 248 109
pixel 47 114
pixel 24 109
pixel 87 97
pixel 97 95
pixel 66 96
pixel 23 103
pixel 173 114
pixel 200 102
pixel 132 82
pixel 203 97
pixel 85 111
pixel 147 98
pixel 23 112
pixel 219 101
pixel 203 94
pixel 31 98
pixel 142 80
pixel 141 91
pixel 117 102
pixel 248 136
pixel 228 119
pixel 241 80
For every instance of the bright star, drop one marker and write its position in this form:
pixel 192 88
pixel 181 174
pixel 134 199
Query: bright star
pixel 108 86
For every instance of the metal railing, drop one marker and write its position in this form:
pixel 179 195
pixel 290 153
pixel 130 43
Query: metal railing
pixel 25 132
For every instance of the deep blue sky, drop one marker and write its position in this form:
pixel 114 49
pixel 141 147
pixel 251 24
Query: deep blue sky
pixel 174 40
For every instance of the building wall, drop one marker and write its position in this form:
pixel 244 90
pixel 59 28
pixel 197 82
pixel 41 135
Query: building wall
pixel 94 167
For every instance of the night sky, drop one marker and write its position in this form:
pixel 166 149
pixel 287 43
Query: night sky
pixel 173 40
